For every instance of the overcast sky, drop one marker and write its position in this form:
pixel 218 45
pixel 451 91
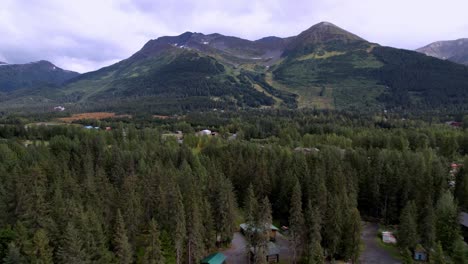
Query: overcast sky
pixel 84 35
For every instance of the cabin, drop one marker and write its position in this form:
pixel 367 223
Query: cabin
pixel 420 254
pixel 464 225
pixel 244 228
pixel 216 258
pixel 272 255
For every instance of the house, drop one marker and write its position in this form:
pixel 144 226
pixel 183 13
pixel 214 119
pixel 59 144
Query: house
pixel 388 237
pixel 244 228
pixel 420 254
pixel 454 124
pixel 204 132
pixel 272 254
pixel 59 108
pixel 216 258
pixel 464 225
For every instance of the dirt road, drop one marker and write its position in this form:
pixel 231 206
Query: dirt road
pixel 373 254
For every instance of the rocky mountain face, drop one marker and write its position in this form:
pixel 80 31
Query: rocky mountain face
pixel 454 50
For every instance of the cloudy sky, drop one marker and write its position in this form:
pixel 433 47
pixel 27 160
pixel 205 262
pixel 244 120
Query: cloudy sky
pixel 85 35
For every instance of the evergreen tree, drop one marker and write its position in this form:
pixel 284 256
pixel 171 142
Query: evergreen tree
pixel 263 225
pixel 407 256
pixel 313 247
pixel 153 253
pixel 296 222
pixel 71 249
pixel 316 254
pixel 352 236
pixel 180 227
pixel 41 251
pixel 194 222
pixel 14 255
pixel 408 233
pixel 447 223
pixel 251 211
pixel 122 248
pixel 438 256
pixel 460 254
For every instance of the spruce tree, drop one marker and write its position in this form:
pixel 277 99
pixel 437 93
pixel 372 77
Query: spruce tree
pixel 352 236
pixel 71 249
pixel 316 254
pixel 263 225
pixel 296 222
pixel 41 252
pixel 447 224
pixel 180 227
pixel 122 248
pixel 13 255
pixel 438 255
pixel 460 254
pixel 153 253
pixel 313 247
pixel 407 256
pixel 408 234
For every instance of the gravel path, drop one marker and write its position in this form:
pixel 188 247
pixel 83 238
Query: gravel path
pixel 236 254
pixel 373 254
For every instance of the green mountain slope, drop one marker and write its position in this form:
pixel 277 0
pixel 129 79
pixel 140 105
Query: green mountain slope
pixel 323 67
pixel 20 76
pixel 331 68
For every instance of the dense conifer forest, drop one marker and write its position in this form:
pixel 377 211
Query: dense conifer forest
pixel 135 194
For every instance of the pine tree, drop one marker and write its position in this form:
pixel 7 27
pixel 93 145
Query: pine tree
pixel 313 222
pixel 461 187
pixel 438 256
pixel 296 222
pixel 180 227
pixel 153 253
pixel 316 254
pixel 251 211
pixel 263 225
pixel 223 210
pixel 122 247
pixel 426 224
pixel 407 256
pixel 41 252
pixel 71 249
pixel 14 255
pixel 194 241
pixel 408 234
pixel 446 223
pixel 352 239
pixel 459 255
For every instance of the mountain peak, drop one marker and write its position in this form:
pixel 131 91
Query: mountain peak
pixel 323 33
pixel 326 31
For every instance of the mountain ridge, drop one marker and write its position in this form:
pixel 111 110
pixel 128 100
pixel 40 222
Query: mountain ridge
pixel 452 50
pixel 323 67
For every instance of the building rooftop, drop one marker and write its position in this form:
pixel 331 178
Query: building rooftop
pixel 216 258
pixel 464 219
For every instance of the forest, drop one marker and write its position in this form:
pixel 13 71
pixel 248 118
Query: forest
pixel 134 195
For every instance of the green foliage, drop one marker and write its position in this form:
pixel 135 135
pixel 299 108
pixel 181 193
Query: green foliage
pixel 408 232
pixel 447 223
pixel 122 247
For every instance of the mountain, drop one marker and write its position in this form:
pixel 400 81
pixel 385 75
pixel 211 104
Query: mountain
pixel 323 67
pixel 34 74
pixel 452 50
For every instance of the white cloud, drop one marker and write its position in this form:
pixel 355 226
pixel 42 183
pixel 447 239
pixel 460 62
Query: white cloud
pixel 87 34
